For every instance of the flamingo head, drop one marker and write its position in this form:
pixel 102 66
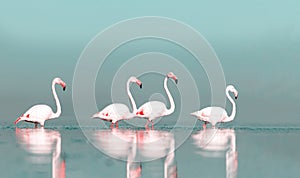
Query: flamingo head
pixel 137 81
pixel 60 82
pixel 172 76
pixel 233 90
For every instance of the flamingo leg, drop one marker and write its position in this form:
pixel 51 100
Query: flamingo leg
pixel 204 125
pixel 112 125
pixel 146 126
pixel 152 123
pixel 117 124
pixel 35 125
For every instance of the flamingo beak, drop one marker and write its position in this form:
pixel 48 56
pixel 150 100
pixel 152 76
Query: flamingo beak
pixel 176 80
pixel 63 85
pixel 139 83
pixel 236 97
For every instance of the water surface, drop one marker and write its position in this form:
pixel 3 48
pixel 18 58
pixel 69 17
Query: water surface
pixel 63 151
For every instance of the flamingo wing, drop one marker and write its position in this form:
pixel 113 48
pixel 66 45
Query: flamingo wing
pixel 201 115
pixel 152 109
pixel 213 113
pixel 115 111
pixel 40 111
pixel 37 113
pixel 210 113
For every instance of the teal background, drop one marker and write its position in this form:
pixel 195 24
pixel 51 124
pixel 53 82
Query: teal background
pixel 257 43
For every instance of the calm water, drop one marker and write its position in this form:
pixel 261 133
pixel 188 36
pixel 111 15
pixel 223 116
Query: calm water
pixel 125 152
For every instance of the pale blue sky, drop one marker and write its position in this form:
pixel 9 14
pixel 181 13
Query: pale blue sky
pixel 257 43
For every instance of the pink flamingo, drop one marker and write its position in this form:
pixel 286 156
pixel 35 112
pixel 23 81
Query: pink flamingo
pixel 218 114
pixel 40 113
pixel 155 109
pixel 118 111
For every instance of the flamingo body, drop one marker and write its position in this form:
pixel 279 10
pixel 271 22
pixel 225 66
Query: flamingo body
pixel 38 114
pixel 211 114
pixel 114 112
pixel 152 110
pixel 214 115
pixel 155 109
pixel 118 111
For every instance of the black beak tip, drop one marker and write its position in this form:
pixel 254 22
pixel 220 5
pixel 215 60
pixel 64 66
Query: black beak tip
pixel 141 86
pixel 64 88
pixel 236 97
pixel 176 81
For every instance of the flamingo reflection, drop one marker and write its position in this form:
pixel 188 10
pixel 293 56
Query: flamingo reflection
pixel 217 142
pixel 136 147
pixel 41 143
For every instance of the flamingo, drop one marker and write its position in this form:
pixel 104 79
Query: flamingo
pixel 218 114
pixel 118 111
pixel 38 114
pixel 155 109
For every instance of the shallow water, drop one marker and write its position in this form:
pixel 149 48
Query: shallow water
pixel 63 151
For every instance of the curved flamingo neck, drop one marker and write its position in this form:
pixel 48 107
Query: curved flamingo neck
pixel 134 109
pixel 58 111
pixel 233 112
pixel 172 108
